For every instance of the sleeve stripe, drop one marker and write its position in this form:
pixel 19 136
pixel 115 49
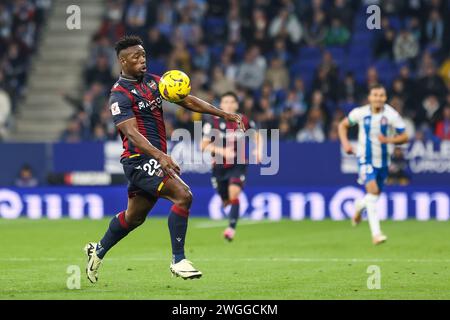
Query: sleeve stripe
pixel 133 117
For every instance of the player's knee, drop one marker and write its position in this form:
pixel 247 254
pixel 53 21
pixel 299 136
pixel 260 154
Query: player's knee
pixel 185 198
pixel 135 220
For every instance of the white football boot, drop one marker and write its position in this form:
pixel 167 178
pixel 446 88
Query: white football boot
pixel 379 239
pixel 93 263
pixel 357 216
pixel 185 270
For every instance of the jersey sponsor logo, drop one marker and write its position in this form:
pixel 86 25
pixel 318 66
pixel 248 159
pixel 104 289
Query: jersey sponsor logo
pixel 115 109
pixel 152 85
pixel 155 103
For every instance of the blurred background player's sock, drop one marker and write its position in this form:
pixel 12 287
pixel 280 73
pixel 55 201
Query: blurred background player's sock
pixel 118 229
pixel 371 207
pixel 178 221
pixel 234 213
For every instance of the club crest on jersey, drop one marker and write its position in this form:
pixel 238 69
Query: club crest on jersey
pixel 384 121
pixel 115 109
pixel 152 85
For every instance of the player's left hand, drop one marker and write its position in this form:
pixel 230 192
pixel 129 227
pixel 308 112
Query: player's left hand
pixel 234 117
pixel 383 139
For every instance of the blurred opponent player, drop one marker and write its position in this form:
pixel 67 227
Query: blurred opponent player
pixel 228 177
pixel 136 106
pixel 377 123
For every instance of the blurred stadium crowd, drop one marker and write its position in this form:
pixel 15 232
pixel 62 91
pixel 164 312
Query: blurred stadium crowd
pixel 296 65
pixel 20 24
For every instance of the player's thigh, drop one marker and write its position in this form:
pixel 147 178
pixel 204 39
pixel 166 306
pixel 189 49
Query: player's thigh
pixel 372 187
pixel 177 191
pixel 221 186
pixel 234 190
pixel 138 207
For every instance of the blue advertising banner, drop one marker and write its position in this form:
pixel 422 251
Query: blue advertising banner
pixel 257 203
pixel 297 164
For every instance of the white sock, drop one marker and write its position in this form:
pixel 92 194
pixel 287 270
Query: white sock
pixel 371 205
pixel 360 204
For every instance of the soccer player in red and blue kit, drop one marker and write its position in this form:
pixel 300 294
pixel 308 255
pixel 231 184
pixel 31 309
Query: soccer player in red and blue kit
pixel 228 177
pixel 136 106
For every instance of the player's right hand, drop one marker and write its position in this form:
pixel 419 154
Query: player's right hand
pixel 229 152
pixel 348 149
pixel 168 165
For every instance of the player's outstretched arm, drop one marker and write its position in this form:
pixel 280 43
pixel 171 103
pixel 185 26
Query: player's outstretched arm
pixel 198 105
pixel 343 136
pixel 397 139
pixel 130 129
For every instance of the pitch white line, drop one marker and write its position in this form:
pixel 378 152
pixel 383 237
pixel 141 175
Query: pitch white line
pixel 224 223
pixel 306 260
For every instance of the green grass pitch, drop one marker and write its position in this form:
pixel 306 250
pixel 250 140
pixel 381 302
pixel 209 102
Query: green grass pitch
pixel 268 260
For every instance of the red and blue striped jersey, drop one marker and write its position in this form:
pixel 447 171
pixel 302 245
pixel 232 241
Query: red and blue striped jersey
pixel 131 98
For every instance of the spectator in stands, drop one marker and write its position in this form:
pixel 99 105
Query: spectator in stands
pixel 444 70
pixel 313 130
pixel 266 115
pixel 431 83
pixel 280 51
pixel 408 82
pixel 100 72
pixel 434 29
pixel 26 178
pixel 399 105
pixel 278 74
pixel 398 169
pixel 102 47
pixel 157 44
pixel 338 34
pixel 180 57
pixel 442 130
pixel 99 133
pixel 429 112
pixel 6 22
pixel 415 28
pixel 406 46
pixel 221 84
pixel 73 132
pixel 295 102
pixel 384 48
pixel 258 23
pixel 112 26
pixel 252 71
pixel 316 30
pixel 201 58
pixel 349 90
pixel 136 17
pixel 248 106
pixel 342 10
pixel 195 9
pixel 234 31
pixel 286 133
pixel 5 110
pixel 286 25
pixel 371 77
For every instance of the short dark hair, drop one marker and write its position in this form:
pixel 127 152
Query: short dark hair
pixel 229 94
pixel 376 86
pixel 126 42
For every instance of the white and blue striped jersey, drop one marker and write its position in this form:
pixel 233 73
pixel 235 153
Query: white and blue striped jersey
pixel 371 125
